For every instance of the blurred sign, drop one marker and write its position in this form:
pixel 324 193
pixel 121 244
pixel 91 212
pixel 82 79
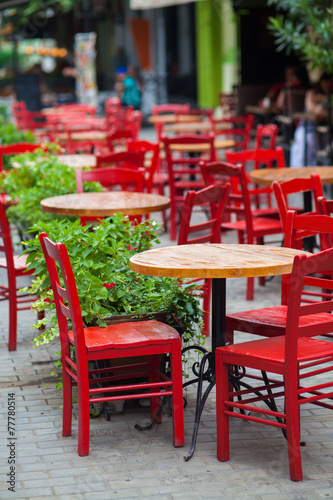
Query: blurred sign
pixel 154 4
pixel 85 65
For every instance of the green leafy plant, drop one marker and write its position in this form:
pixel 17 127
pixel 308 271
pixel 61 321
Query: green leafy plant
pixel 9 134
pixel 305 26
pixel 106 285
pixel 36 176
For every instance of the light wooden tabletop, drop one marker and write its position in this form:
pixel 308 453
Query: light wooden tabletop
pixel 215 261
pixel 78 160
pixel 191 127
pixel 197 148
pixel 171 118
pixel 90 135
pixel 105 203
pixel 268 175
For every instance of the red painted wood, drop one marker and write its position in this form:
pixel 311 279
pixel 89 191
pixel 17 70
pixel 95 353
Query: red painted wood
pixel 147 338
pixel 184 171
pixel 15 267
pixel 281 355
pixel 250 229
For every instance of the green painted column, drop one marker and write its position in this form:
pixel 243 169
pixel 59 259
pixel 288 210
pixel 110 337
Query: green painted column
pixel 209 51
pixel 217 53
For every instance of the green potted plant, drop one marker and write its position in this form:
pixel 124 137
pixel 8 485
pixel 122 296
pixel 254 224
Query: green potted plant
pixel 107 288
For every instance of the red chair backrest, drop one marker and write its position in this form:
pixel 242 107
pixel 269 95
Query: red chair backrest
pixel 239 127
pixel 66 299
pixel 181 166
pixel 297 228
pixel 18 148
pixel 238 202
pixel 127 159
pixel 151 151
pixel 260 157
pixel 266 134
pixel 119 138
pixel 6 247
pixel 170 108
pixel 110 177
pixel 208 231
pixel 283 189
pixel 321 263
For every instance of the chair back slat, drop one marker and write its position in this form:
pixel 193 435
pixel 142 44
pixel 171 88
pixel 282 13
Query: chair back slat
pixel 214 198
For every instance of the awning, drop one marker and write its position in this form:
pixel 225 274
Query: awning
pixel 154 4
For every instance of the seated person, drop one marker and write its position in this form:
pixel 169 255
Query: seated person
pixel 276 98
pixel 127 87
pixel 316 104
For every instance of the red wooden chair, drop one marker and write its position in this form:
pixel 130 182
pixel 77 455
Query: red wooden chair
pixel 145 338
pixel 266 137
pixel 235 127
pixel 117 139
pixel 282 190
pixel 18 148
pixel 325 206
pixel 289 356
pixel 27 120
pixel 249 229
pixel 208 231
pixel 16 267
pixel 155 181
pixel 124 159
pixel 184 172
pixel 255 158
pixel 162 109
pixel 110 178
pixel 271 321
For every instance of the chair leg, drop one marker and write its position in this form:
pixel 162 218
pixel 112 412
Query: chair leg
pixel 67 404
pixel 293 430
pixel 84 416
pixel 154 366
pixel 250 289
pixel 173 224
pixel 222 420
pixel 12 336
pixel 177 397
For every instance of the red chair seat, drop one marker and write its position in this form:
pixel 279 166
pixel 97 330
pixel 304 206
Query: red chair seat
pixel 272 320
pixel 273 350
pixel 126 335
pixel 20 263
pixel 260 224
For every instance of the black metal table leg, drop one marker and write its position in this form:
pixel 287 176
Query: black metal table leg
pixel 218 339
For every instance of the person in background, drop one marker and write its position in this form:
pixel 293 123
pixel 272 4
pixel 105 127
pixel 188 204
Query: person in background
pixel 276 98
pixel 316 104
pixel 128 87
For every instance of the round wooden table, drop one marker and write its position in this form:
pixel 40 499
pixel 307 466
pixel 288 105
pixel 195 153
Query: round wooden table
pixel 189 128
pixel 216 261
pixel 199 148
pixel 171 118
pixel 78 160
pixel 268 175
pixel 105 204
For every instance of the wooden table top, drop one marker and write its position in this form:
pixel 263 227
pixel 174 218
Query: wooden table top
pixel 105 203
pixel 78 160
pixel 90 135
pixel 197 148
pixel 191 127
pixel 171 118
pixel 268 175
pixel 215 261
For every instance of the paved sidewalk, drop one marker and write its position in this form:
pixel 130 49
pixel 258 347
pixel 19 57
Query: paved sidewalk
pixel 126 463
